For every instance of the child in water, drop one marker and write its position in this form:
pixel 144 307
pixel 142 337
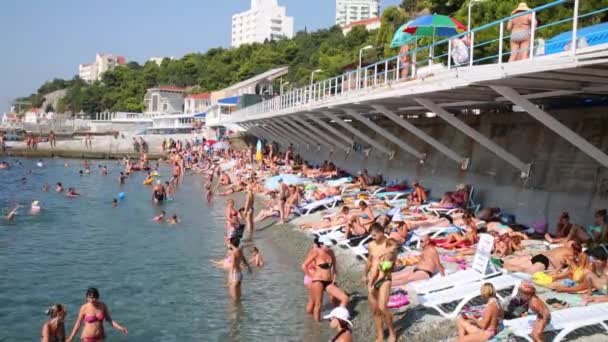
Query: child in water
pixel 256 258
pixel 159 218
pixel 209 193
pixel 173 220
pixel 114 203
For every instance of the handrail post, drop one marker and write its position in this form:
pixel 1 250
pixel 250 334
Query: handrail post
pixel 574 28
pixel 397 68
pixel 500 41
pixel 376 74
pixel 449 54
pixel 365 78
pixel 532 35
pixel 386 72
pixel 472 48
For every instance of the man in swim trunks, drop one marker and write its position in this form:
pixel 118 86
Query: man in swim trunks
pixel 427 267
pixel 554 259
pixel 382 253
pixel 158 193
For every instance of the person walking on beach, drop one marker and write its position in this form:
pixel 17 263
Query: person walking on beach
pixel 249 201
pixel 382 256
pixel 93 313
pixel 323 278
pixel 52 140
pixel 53 330
pixel 283 194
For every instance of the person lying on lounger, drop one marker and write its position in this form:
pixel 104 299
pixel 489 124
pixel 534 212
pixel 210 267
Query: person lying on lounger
pixel 230 189
pixel 418 195
pixel 468 239
pixel 360 224
pixel 551 260
pixel 456 199
pixel 341 218
pixel 427 267
pixel 400 230
pixel 572 278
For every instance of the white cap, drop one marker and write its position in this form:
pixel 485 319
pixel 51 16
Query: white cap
pixel 341 314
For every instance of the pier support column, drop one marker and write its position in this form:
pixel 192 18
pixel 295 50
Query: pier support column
pixel 473 134
pixel 265 134
pixel 302 129
pixel 322 134
pixel 386 134
pixel 330 129
pixel 286 138
pixel 463 161
pixel 290 133
pixel 360 134
pixel 553 124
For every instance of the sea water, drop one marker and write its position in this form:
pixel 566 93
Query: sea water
pixel 156 279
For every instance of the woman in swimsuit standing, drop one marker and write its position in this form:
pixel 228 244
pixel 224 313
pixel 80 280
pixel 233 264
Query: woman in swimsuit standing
pixel 472 330
pixel 339 319
pixel 235 274
pixel 520 28
pixel 232 218
pixel 93 313
pixel 53 330
pixel 323 278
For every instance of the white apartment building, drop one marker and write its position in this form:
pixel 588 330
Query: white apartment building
pixel 103 62
pixel 164 100
pixel 348 11
pixel 264 20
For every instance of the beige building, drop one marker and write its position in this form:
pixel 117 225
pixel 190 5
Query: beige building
pixel 103 62
pixel 197 103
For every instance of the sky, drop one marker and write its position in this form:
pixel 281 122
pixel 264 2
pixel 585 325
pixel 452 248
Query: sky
pixel 45 39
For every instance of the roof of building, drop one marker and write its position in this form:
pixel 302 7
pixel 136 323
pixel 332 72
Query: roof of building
pixel 200 96
pixel 170 88
pixel 121 60
pixel 269 75
pixel 362 22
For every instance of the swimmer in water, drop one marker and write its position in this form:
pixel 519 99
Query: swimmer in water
pixel 45 187
pixel 158 193
pixel 4 165
pixel 59 187
pixel 173 220
pixel 72 192
pixel 104 170
pixel 35 208
pixel 54 328
pixel 114 203
pixel 159 218
pixel 66 165
pixel 122 178
pixel 80 173
pixel 209 193
pixel 10 217
pixel 256 258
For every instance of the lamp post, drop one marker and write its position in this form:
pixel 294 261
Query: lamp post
pixel 360 62
pixel 312 78
pixel 471 3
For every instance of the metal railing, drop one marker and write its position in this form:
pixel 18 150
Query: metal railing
pixel 484 45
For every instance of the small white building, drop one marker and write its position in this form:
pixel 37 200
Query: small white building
pixel 33 116
pixel 159 60
pixel 164 100
pixel 348 11
pixel 103 62
pixel 370 24
pixel 197 103
pixel 264 20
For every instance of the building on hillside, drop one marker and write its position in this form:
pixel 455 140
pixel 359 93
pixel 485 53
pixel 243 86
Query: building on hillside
pixel 34 116
pixel 9 119
pixel 258 85
pixel 103 62
pixel 265 20
pixel 159 60
pixel 197 103
pixel 164 100
pixel 370 24
pixel 348 11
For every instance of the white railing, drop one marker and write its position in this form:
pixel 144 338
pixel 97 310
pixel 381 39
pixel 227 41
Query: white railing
pixel 420 62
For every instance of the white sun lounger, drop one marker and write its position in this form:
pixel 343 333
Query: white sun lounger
pixel 481 269
pixel 326 203
pixel 321 232
pixel 464 293
pixel 393 195
pixel 565 321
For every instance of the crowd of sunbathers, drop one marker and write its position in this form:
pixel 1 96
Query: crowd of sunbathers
pixel 408 238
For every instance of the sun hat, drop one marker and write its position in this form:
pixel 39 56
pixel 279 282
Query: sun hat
pixel 522 7
pixel 341 314
pixel 461 186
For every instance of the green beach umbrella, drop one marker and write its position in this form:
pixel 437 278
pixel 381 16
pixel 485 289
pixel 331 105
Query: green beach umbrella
pixel 401 37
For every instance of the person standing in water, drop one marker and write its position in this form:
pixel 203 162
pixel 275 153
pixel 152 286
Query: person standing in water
pixel 93 313
pixel 235 274
pixel 59 187
pixel 382 255
pixel 158 193
pixel 249 201
pixel 256 258
pixel 53 330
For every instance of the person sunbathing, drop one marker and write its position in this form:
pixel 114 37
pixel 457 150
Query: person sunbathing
pixel 470 237
pixel 399 231
pixel 596 280
pixel 563 232
pixel 484 329
pixel 596 233
pixel 456 199
pixel 427 267
pixel 571 279
pixel 341 218
pixel 506 244
pixel 554 259
pixel 230 189
pixel 418 195
pixel 272 209
pixel 360 224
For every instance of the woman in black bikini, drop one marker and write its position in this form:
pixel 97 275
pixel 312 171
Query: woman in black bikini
pixel 323 278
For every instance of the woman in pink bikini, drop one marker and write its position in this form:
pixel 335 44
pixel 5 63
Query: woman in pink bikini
pixel 93 313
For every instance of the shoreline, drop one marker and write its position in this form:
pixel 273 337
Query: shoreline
pixel 74 154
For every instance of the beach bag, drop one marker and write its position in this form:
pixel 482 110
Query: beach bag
pixel 540 227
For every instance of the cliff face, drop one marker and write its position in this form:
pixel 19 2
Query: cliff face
pixel 53 99
pixel 562 179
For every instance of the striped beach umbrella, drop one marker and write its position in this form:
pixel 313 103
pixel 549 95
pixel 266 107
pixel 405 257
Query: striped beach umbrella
pixel 401 37
pixel 434 25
